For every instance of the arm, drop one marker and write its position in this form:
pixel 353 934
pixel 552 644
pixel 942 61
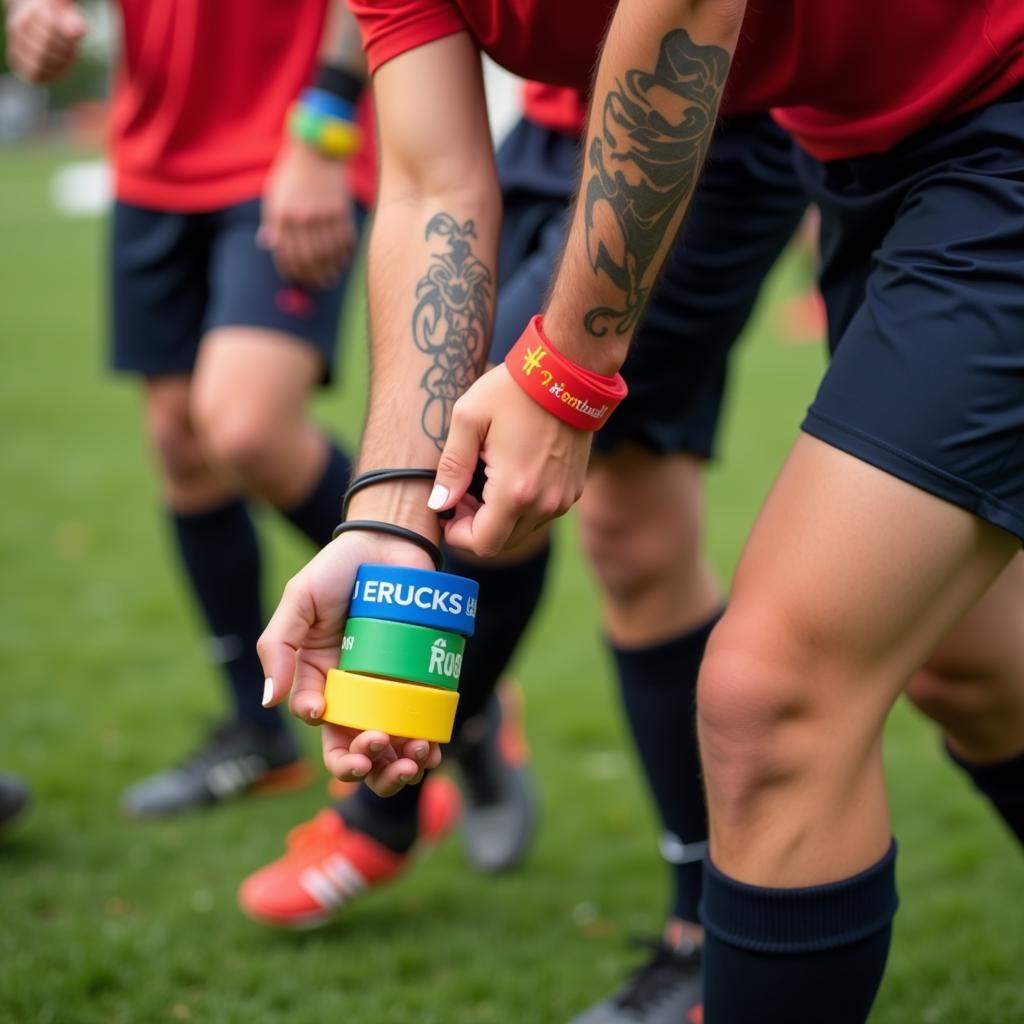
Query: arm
pixel 431 296
pixel 43 37
pixel 307 212
pixel 656 96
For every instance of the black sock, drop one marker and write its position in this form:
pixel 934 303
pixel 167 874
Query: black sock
pixel 796 956
pixel 222 559
pixel 1003 783
pixel 393 821
pixel 509 595
pixel 320 512
pixel 659 687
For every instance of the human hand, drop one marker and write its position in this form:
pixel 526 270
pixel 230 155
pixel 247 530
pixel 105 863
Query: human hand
pixel 43 38
pixel 535 466
pixel 301 645
pixel 308 224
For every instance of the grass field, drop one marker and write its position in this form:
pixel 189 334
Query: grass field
pixel 102 920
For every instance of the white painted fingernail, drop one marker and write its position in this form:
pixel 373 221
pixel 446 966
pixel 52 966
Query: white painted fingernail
pixel 268 691
pixel 438 496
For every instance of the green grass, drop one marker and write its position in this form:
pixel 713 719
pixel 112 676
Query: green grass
pixel 102 920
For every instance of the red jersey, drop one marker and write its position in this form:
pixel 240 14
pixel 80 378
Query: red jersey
pixel 848 77
pixel 202 93
pixel 555 107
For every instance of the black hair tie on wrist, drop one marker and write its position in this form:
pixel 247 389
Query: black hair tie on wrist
pixel 382 476
pixel 373 526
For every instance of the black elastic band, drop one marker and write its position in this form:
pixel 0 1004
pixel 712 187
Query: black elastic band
pixel 339 82
pixel 373 526
pixel 381 476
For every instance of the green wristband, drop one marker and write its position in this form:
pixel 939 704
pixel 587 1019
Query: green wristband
pixel 397 650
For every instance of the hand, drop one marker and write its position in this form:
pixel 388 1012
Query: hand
pixel 536 466
pixel 301 644
pixel 43 38
pixel 308 224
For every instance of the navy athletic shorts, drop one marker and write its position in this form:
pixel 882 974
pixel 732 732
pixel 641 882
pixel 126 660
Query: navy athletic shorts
pixel 175 276
pixel 923 279
pixel 746 208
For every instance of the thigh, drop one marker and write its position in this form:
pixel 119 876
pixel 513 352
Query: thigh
pixel 744 212
pixel 158 289
pixel 247 291
pixel 927 380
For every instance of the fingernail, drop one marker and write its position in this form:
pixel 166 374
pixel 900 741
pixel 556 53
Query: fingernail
pixel 438 496
pixel 376 747
pixel 359 775
pixel 268 691
pixel 420 753
pixel 406 778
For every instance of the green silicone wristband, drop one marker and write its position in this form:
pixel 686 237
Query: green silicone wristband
pixel 397 650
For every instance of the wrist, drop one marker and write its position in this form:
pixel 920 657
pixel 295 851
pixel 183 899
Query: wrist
pixel 402 502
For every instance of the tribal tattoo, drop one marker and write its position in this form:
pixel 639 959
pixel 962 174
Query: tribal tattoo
pixel 451 321
pixel 655 132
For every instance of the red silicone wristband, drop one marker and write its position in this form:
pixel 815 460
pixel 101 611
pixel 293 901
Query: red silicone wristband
pixel 580 397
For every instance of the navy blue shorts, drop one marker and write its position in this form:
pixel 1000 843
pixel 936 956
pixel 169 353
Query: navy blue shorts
pixel 923 280
pixel 744 212
pixel 175 276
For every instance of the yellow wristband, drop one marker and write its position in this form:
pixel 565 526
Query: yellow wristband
pixel 399 709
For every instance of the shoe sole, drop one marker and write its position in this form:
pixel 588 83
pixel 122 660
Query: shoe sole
pixel 287 778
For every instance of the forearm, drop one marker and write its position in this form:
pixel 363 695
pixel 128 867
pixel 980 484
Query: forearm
pixel 656 96
pixel 341 46
pixel 431 283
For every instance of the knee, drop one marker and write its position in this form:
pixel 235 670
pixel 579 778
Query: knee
pixel 634 552
pixel 236 438
pixel 174 443
pixel 755 717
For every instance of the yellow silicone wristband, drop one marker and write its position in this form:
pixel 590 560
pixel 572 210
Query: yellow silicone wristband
pixel 400 709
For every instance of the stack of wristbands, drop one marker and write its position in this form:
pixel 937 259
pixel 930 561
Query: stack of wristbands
pixel 401 653
pixel 325 121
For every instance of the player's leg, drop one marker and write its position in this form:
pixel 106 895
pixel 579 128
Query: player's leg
pixel 641 518
pixel 973 687
pixel 851 577
pixel 889 521
pixel 266 346
pixel 159 295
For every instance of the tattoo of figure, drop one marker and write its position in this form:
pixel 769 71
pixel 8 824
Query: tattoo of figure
pixel 655 132
pixel 451 321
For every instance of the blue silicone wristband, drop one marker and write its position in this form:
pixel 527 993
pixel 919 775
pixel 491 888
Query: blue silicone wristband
pixel 325 103
pixel 416 596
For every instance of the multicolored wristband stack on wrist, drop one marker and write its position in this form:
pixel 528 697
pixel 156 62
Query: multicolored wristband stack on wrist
pixel 401 652
pixel 580 397
pixel 326 122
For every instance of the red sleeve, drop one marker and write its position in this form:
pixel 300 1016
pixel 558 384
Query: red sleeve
pixel 391 27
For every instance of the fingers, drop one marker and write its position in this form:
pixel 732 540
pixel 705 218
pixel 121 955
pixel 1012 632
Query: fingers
pixel 282 640
pixel 458 461
pixel 44 38
pixel 371 757
pixel 307 696
pixel 308 250
pixel 486 532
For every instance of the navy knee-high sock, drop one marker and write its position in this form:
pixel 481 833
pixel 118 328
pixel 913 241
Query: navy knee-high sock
pixel 796 956
pixel 222 560
pixel 1003 783
pixel 320 511
pixel 659 687
pixel 509 595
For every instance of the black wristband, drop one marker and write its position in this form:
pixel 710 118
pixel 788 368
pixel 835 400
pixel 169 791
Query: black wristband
pixel 373 526
pixel 381 476
pixel 339 82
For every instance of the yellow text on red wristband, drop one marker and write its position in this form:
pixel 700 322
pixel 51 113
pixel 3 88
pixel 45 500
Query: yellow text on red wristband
pixel 580 397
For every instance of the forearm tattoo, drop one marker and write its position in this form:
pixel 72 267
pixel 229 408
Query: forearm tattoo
pixel 451 321
pixel 655 132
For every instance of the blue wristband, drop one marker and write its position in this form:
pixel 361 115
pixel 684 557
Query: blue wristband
pixel 325 103
pixel 419 597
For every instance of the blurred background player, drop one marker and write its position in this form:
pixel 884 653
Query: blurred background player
pixel 14 798
pixel 228 248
